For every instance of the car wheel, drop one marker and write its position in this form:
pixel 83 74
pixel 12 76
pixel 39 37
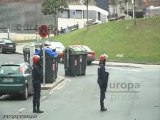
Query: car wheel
pixel 25 93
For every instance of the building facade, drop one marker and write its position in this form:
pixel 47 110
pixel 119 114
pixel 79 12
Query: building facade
pixel 141 6
pixel 26 15
pixel 77 13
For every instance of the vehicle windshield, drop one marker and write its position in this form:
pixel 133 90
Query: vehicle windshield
pixel 9 69
pixel 7 41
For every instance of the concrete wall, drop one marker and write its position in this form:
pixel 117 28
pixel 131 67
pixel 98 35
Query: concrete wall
pixel 19 37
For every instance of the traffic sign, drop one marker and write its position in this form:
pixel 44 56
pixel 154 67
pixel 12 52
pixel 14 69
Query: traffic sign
pixel 43 31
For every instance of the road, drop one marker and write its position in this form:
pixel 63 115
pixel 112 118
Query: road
pixel 133 94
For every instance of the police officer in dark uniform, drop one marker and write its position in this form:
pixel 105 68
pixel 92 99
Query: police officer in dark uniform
pixel 37 75
pixel 102 80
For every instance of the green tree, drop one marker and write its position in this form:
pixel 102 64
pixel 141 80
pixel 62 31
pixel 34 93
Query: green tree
pixel 113 2
pixel 126 1
pixel 52 7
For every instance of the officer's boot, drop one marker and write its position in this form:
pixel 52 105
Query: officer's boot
pixel 34 108
pixel 38 108
pixel 103 108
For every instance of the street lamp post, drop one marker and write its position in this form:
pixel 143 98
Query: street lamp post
pixel 133 4
pixel 8 25
pixel 127 9
pixel 36 18
pixel 87 15
pixel 133 8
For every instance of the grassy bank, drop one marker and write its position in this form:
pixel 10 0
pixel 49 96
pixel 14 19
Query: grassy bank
pixel 138 44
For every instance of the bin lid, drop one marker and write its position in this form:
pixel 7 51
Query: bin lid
pixel 36 44
pixel 75 50
pixel 48 51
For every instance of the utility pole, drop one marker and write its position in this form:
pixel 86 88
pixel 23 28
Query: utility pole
pixel 127 9
pixel 87 15
pixel 133 4
pixel 36 18
pixel 133 8
pixel 8 25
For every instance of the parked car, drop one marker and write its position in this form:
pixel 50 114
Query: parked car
pixel 16 79
pixel 90 53
pixel 7 45
pixel 59 49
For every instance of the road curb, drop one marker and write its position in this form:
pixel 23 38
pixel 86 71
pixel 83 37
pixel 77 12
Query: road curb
pixel 131 66
pixel 18 53
pixel 47 86
pixel 116 65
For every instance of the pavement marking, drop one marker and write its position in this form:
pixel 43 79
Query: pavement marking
pixel 44 97
pixel 22 109
pixel 52 90
pixel 68 80
pixel 61 86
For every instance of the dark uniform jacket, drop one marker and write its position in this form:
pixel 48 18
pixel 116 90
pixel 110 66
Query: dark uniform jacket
pixel 102 77
pixel 37 74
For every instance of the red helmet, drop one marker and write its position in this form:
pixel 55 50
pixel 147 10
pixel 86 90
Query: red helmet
pixel 35 59
pixel 102 58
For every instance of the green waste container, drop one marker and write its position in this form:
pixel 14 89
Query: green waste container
pixel 26 51
pixel 75 61
pixel 51 64
pixel 51 68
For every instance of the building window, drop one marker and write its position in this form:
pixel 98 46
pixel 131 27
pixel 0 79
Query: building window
pixel 79 14
pixel 76 14
pixel 64 14
pixel 91 14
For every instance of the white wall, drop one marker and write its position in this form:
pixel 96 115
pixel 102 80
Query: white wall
pixel 64 22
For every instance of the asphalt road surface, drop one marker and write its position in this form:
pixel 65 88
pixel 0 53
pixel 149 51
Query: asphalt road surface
pixel 133 94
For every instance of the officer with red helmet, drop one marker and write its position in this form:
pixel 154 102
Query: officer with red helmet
pixel 102 80
pixel 37 75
